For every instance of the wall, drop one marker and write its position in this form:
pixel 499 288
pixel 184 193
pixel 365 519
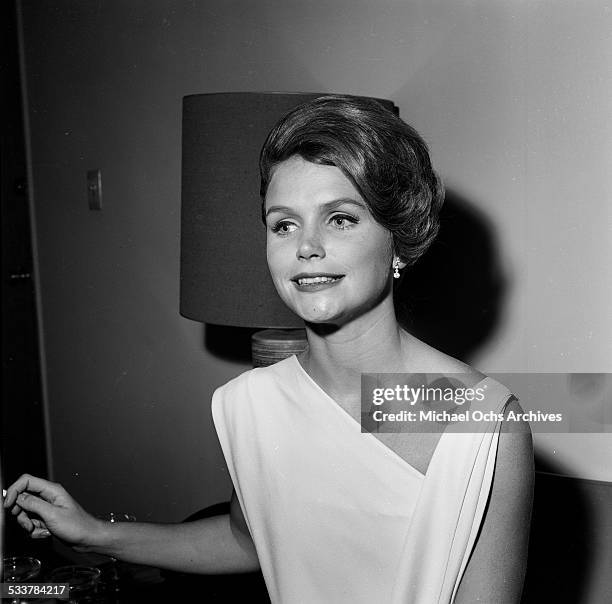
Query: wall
pixel 513 97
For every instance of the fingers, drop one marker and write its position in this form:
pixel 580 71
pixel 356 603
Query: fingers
pixel 26 506
pixel 40 534
pixel 24 520
pixel 36 527
pixel 35 505
pixel 44 508
pixel 39 524
pixel 40 529
pixel 47 490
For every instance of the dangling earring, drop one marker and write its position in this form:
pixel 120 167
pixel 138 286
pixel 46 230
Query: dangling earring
pixel 396 273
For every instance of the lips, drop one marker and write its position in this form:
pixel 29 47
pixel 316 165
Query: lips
pixel 315 280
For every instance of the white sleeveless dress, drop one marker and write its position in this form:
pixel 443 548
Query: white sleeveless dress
pixel 335 515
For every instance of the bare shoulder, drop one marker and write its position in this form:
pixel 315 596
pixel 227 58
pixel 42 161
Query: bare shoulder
pixel 426 358
pixel 513 479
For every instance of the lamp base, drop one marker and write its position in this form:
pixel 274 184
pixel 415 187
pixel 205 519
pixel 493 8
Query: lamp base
pixel 272 345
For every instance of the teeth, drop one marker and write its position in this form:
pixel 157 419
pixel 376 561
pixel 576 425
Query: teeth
pixel 312 280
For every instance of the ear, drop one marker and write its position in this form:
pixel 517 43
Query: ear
pixel 401 264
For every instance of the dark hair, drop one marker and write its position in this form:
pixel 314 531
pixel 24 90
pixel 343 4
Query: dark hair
pixel 386 160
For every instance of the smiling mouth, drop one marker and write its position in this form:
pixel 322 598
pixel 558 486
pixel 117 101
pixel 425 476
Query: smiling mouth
pixel 312 280
pixel 315 280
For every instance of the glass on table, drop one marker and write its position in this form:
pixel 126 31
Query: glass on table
pixel 19 569
pixel 82 581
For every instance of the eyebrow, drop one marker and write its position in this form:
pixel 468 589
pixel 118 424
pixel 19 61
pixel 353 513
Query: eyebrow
pixel 330 205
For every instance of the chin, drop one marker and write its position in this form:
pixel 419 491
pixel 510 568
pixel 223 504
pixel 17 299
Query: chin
pixel 321 317
pixel 318 313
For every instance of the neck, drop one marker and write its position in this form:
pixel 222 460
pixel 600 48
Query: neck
pixel 336 357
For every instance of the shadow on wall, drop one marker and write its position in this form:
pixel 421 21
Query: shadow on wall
pixel 229 343
pixel 452 298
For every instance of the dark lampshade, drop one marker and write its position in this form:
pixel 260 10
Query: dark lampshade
pixel 224 275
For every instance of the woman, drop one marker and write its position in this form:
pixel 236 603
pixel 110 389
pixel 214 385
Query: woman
pixel 330 514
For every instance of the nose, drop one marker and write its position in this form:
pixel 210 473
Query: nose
pixel 310 245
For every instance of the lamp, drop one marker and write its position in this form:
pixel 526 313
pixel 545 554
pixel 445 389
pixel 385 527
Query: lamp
pixel 224 274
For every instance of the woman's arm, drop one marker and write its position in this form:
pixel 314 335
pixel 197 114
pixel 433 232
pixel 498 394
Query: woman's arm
pixel 219 544
pixel 496 569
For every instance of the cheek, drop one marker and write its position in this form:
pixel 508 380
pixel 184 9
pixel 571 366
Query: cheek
pixel 375 253
pixel 276 261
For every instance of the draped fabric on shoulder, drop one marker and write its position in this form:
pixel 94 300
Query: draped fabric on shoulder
pixel 334 514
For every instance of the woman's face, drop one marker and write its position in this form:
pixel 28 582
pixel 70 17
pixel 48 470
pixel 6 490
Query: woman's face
pixel 329 259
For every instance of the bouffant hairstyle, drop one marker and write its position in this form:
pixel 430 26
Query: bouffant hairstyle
pixel 386 160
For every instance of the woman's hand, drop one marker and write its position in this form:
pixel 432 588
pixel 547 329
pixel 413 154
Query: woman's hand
pixel 45 508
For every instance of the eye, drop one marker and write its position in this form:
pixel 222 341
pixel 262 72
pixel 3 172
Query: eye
pixel 283 227
pixel 343 221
